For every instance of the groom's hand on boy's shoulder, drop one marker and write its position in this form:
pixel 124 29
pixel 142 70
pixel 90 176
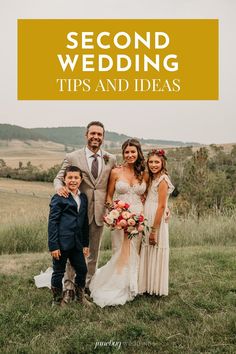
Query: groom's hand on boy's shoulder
pixel 56 254
pixel 63 192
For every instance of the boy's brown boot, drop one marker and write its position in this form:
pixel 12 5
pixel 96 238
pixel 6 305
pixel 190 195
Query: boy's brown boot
pixel 57 296
pixel 68 296
pixel 79 294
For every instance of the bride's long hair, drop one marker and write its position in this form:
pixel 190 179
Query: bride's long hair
pixel 139 165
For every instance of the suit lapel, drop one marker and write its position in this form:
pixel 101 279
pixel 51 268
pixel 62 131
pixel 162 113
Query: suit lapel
pixel 86 167
pixel 102 167
pixel 72 200
pixel 81 203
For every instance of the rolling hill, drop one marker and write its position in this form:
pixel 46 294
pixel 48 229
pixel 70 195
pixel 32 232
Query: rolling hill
pixel 74 136
pixel 10 132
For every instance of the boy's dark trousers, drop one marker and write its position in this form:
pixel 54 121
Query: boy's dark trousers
pixel 77 260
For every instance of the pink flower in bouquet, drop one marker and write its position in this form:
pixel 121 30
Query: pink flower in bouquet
pixel 141 218
pixel 140 228
pixel 108 220
pixel 126 215
pixel 114 214
pixel 131 222
pixel 120 217
pixel 122 223
pixel 121 204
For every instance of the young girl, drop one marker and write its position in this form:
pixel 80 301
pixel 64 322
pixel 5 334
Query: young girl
pixel 154 256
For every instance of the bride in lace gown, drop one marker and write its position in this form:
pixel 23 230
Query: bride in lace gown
pixel 117 281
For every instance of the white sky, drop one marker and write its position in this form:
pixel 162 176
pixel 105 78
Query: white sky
pixel 200 121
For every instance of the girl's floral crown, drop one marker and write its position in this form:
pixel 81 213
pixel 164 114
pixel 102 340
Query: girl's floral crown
pixel 160 153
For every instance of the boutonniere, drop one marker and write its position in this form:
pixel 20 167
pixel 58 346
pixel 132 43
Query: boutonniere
pixel 106 158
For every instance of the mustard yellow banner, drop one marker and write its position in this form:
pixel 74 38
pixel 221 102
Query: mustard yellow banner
pixel 118 59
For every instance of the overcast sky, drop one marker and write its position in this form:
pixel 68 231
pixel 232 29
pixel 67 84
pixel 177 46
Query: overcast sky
pixel 200 121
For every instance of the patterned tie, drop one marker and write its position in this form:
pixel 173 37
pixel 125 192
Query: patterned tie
pixel 94 167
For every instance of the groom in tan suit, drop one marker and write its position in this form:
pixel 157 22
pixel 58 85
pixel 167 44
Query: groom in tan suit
pixel 96 166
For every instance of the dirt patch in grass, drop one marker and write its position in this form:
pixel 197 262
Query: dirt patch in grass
pixel 14 264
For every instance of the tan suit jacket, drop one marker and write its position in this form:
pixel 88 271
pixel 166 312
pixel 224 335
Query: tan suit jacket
pixel 94 189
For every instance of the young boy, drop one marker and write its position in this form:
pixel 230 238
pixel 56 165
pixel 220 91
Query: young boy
pixel 68 235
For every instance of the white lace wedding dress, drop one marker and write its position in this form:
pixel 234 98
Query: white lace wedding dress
pixel 117 282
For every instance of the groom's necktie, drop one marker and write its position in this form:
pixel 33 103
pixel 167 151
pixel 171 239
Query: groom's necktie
pixel 94 168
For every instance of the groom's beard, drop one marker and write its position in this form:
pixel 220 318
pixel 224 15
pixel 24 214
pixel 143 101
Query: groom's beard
pixel 94 143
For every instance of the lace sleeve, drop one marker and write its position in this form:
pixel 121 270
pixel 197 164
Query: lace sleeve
pixel 167 179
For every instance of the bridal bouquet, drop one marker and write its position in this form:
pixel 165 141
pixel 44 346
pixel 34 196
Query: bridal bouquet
pixel 119 217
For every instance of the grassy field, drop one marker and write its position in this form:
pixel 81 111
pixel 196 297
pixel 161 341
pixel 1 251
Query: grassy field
pixel 198 316
pixel 23 214
pixel 41 153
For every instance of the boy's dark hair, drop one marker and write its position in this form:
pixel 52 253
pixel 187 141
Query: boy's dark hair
pixel 95 122
pixel 72 169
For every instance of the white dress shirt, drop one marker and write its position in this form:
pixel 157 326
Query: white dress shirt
pixel 89 157
pixel 77 199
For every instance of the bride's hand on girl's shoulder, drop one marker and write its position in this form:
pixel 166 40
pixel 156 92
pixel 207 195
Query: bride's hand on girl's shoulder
pixel 167 215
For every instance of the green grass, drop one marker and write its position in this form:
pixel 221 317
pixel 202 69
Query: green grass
pixel 23 226
pixel 209 230
pixel 24 213
pixel 24 223
pixel 198 316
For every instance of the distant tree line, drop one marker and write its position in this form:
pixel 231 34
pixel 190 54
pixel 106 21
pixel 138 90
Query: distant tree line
pixel 28 172
pixel 9 132
pixel 74 135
